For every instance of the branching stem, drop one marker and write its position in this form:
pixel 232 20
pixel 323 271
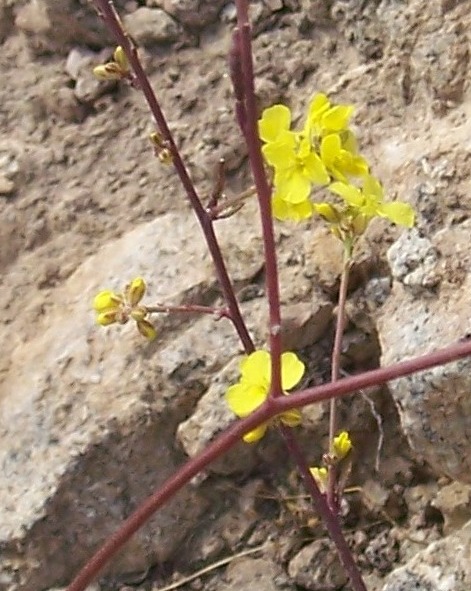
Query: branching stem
pixel 231 436
pixel 112 20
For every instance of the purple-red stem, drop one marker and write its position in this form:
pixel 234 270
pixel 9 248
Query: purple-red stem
pixel 112 20
pixel 244 46
pixel 329 516
pixel 231 436
pixel 189 309
pixel 250 129
pixel 335 374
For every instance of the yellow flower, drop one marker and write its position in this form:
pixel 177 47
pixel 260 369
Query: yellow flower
pixel 321 476
pixel 342 445
pixel 296 166
pixel 274 120
pixel 339 161
pixel 284 210
pixel 324 118
pixel 368 202
pixel 118 308
pixel 254 386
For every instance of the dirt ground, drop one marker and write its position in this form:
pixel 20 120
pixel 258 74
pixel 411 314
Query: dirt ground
pixel 77 172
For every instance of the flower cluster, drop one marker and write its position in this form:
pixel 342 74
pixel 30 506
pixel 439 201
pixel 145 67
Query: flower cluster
pixel 253 388
pixel 118 308
pixel 324 153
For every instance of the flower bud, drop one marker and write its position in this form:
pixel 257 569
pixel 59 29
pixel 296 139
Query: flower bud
pixel 342 445
pixel 120 58
pixel 109 71
pixel 135 291
pixel 106 300
pixel 146 329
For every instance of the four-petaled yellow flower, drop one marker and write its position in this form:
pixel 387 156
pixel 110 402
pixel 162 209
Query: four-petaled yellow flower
pixel 297 166
pixel 254 386
pixel 368 202
pixel 118 308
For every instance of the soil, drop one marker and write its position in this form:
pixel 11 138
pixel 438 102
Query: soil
pixel 76 174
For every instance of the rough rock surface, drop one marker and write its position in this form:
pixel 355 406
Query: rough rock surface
pixel 88 417
pixel 443 566
pixel 435 406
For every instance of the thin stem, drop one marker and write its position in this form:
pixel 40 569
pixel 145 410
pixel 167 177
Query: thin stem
pixel 189 309
pixel 335 374
pixel 250 130
pixel 111 18
pixel 329 516
pixel 231 436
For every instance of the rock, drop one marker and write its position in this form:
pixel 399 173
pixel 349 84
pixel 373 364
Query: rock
pixel 79 66
pixel 242 573
pixel 413 261
pixel 210 417
pixel 434 405
pixel 454 502
pixel 88 415
pixel 443 566
pixel 273 5
pixel 52 26
pixel 7 186
pixel 193 13
pixel 324 257
pixel 305 323
pixel 152 26
pixel 317 567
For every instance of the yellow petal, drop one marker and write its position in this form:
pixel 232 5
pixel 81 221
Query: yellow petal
pixel 294 186
pixel 146 329
pixel 107 318
pixel 330 148
pixel 398 212
pixel 372 186
pixel 351 194
pixel 135 291
pixel 107 300
pixel 321 476
pixel 337 118
pixel 256 434
pixel 256 368
pixel 292 370
pixel 342 444
pixel 243 399
pixel 274 120
pixel 296 212
pixel 328 212
pixel 281 154
pixel 291 418
pixel 315 170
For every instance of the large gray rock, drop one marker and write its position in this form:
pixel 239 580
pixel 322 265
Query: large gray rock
pixel 445 565
pixel 88 415
pixel 434 405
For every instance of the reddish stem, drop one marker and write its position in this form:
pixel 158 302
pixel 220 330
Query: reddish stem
pixel 243 45
pixel 112 20
pixel 231 436
pixel 335 374
pixel 189 309
pixel 329 516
